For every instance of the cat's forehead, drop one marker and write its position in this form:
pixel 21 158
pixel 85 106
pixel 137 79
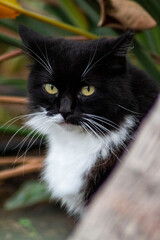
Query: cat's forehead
pixel 74 56
pixel 69 52
pixel 63 47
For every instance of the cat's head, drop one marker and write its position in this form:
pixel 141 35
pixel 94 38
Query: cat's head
pixel 78 82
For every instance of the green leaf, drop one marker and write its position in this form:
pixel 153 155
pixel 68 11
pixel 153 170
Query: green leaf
pixel 74 14
pixel 41 27
pixel 57 12
pixel 30 193
pixel 10 40
pixel 8 23
pixel 25 222
pixel 146 61
pixel 89 10
pixel 156 37
pixel 14 82
pixel 12 129
pixel 150 39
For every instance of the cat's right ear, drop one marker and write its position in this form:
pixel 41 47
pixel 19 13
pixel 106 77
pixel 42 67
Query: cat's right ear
pixel 123 43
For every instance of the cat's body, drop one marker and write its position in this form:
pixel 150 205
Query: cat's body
pixel 88 112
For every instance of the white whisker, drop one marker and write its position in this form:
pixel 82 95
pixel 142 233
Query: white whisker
pixel 92 66
pixel 99 129
pixel 91 58
pixel 21 144
pixel 30 144
pixel 39 60
pixel 129 110
pixel 90 61
pixel 16 119
pixel 12 138
pixel 40 144
pixel 45 58
pixel 103 119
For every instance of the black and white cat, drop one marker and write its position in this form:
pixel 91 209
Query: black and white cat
pixel 88 101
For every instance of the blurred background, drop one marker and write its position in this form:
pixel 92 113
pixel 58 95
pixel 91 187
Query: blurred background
pixel 26 210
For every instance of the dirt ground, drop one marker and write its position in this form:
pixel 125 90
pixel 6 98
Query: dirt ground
pixel 43 221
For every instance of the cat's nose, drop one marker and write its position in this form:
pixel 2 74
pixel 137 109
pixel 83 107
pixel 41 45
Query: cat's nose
pixel 65 107
pixel 65 113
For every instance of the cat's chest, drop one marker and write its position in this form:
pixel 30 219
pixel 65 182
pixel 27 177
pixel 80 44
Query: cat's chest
pixel 71 156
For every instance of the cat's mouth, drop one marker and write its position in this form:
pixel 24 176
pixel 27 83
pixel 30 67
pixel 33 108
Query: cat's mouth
pixel 70 122
pixel 60 120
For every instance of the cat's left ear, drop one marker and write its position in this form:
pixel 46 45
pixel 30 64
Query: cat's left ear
pixel 34 44
pixel 29 37
pixel 123 44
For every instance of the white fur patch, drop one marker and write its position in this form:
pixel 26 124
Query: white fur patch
pixel 71 155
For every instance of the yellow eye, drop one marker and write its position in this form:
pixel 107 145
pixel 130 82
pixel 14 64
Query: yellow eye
pixel 87 90
pixel 50 88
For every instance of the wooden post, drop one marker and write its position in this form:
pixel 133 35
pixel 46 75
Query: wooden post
pixel 127 207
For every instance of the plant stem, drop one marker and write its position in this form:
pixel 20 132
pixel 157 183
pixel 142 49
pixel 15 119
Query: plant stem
pixel 11 160
pixel 13 100
pixel 10 55
pixel 50 20
pixel 20 170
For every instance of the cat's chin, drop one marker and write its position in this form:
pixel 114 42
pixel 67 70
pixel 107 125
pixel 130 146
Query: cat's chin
pixel 69 126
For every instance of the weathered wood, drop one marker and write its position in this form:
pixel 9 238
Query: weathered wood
pixel 127 207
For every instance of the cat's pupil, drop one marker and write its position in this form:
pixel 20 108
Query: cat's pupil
pixel 52 87
pixel 87 87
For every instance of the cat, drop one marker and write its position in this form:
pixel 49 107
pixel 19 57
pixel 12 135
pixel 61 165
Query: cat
pixel 89 101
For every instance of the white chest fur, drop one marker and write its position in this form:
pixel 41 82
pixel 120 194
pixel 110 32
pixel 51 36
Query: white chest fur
pixel 71 155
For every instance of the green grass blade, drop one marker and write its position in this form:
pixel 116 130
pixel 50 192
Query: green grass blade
pixel 30 192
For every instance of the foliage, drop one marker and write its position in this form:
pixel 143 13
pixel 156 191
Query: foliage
pixel 61 19
pixel 31 192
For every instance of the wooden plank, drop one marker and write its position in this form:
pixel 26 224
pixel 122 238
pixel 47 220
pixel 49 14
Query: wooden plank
pixel 127 207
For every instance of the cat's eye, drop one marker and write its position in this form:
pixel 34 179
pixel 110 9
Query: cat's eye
pixel 87 90
pixel 50 88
